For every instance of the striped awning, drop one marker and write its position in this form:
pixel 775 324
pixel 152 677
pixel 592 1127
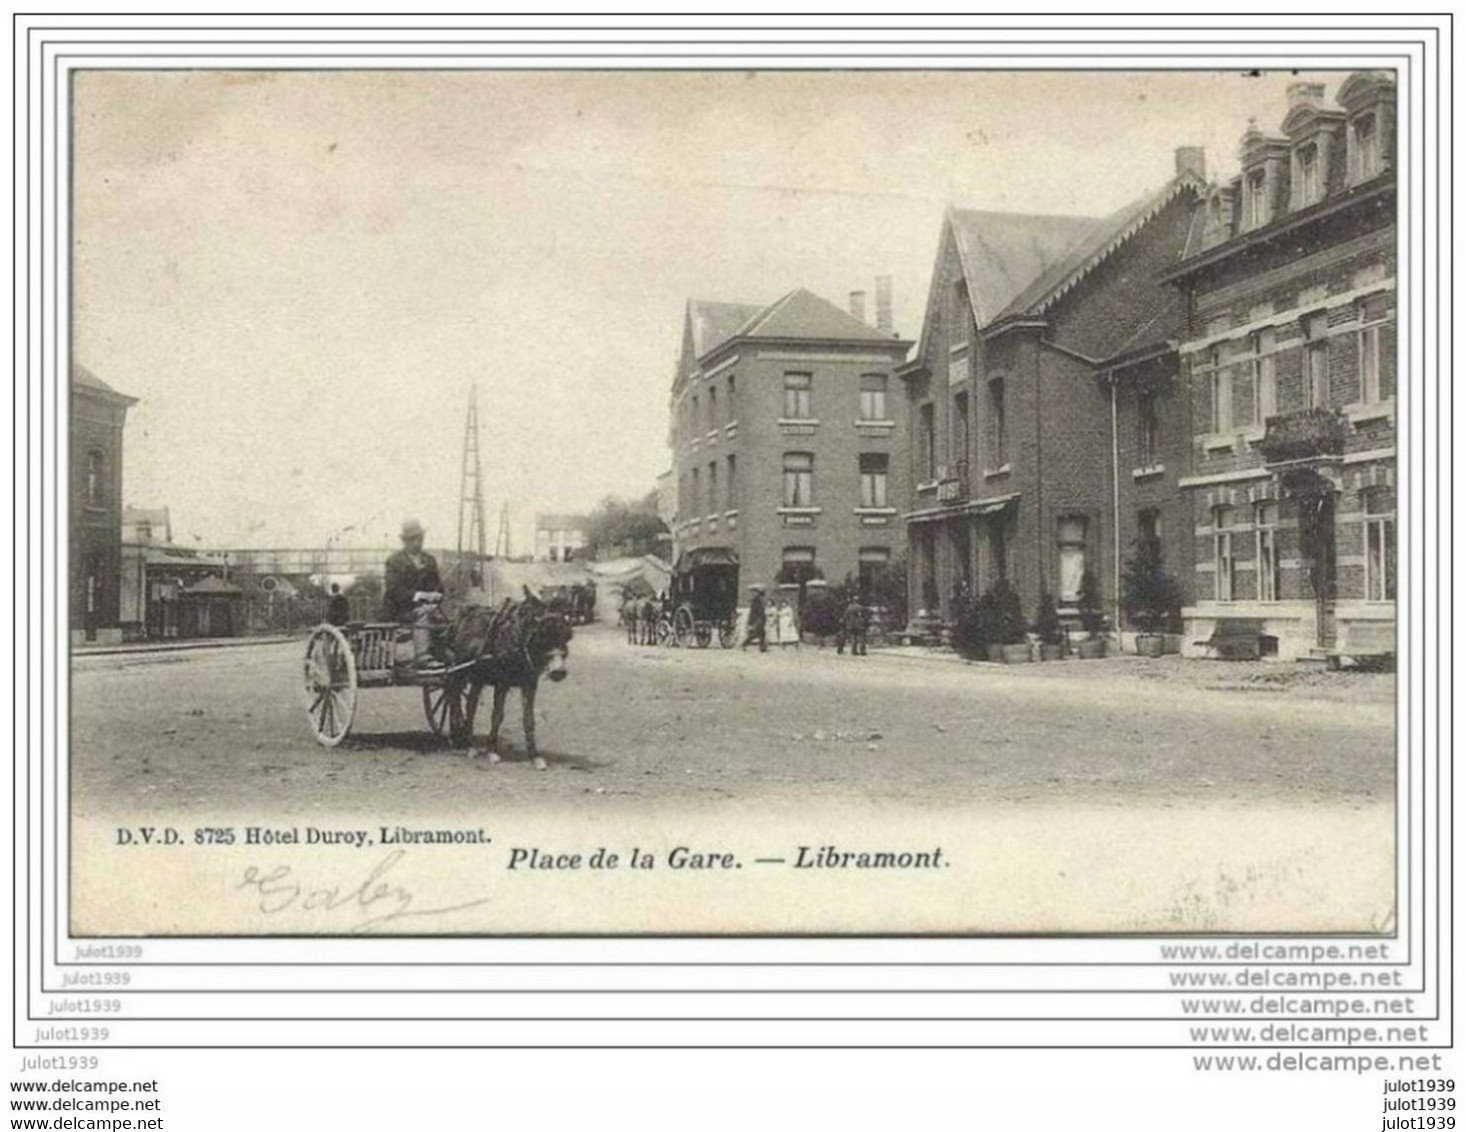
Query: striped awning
pixel 990 506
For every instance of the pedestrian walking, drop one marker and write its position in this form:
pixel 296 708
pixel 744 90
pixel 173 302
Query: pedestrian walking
pixel 853 628
pixel 758 618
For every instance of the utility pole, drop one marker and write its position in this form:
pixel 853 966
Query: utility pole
pixel 472 535
pixel 501 540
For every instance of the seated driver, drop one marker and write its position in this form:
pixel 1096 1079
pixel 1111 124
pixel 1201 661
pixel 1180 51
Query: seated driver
pixel 413 594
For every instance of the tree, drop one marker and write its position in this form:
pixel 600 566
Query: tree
pixel 628 526
pixel 1150 596
pixel 1011 626
pixel 1046 620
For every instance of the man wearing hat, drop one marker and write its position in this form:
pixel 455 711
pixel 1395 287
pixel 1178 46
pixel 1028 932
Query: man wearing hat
pixel 757 620
pixel 413 590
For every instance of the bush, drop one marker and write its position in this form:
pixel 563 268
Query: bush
pixel 1091 611
pixel 1150 596
pixel 1011 627
pixel 976 628
pixel 1046 620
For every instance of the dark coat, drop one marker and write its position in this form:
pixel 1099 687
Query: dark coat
pixel 405 579
pixel 757 614
pixel 338 609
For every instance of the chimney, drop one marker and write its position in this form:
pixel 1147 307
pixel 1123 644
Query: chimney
pixel 883 304
pixel 1191 159
pixel 1304 94
pixel 857 304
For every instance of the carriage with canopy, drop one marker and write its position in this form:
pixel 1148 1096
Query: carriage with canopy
pixel 705 597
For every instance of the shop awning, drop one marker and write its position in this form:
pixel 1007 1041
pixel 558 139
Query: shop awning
pixel 707 556
pixel 990 506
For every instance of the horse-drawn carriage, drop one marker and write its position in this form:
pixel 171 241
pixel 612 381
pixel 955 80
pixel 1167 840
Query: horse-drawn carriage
pixel 340 661
pixel 705 598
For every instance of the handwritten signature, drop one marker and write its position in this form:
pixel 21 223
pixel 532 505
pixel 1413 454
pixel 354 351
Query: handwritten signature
pixel 385 901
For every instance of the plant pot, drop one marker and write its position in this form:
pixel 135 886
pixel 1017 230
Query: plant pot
pixel 1149 644
pixel 1170 644
pixel 995 653
pixel 1091 648
pixel 1017 654
pixel 1051 652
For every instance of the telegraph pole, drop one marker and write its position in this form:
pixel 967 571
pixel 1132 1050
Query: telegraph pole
pixel 472 535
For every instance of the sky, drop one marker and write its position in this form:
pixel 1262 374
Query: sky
pixel 301 275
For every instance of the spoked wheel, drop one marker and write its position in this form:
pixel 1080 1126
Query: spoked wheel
pixel 330 685
pixel 704 633
pixel 682 626
pixel 446 706
pixel 728 633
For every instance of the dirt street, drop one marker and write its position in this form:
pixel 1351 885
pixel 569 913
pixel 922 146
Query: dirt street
pixel 200 729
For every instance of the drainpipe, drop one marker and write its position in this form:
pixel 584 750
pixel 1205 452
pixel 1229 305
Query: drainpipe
pixel 1115 496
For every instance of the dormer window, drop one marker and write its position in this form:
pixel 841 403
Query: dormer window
pixel 1255 203
pixel 1310 175
pixel 1364 147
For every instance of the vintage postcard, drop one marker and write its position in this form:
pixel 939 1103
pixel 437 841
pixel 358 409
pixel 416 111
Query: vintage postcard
pixel 733 503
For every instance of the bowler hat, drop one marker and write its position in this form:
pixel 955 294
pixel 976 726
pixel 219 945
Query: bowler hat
pixel 411 528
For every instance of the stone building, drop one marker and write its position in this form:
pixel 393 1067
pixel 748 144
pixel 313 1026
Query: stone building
pixel 558 538
pixel 787 440
pixel 1048 427
pixel 98 415
pixel 1289 354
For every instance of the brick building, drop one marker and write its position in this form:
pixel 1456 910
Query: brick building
pixel 98 414
pixel 1048 427
pixel 1290 357
pixel 786 440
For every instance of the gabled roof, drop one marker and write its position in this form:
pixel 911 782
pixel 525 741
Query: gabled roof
pixel 1092 249
pixel 1003 252
pixel 803 314
pixel 713 323
pixel 84 379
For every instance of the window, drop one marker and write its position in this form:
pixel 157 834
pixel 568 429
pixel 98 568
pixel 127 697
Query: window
pixel 961 314
pixel 927 443
pixel 732 398
pixel 696 500
pixel 999 411
pixel 712 409
pixel 798 479
pixel 1379 546
pixel 1316 360
pixel 713 485
pixel 796 396
pixel 1149 426
pixel 798 567
pixel 1364 147
pixel 873 466
pixel 694 417
pixel 145 531
pixel 998 544
pixel 732 485
pixel 1268 572
pixel 94 479
pixel 1148 526
pixel 1221 392
pixel 1071 557
pixel 1373 312
pixel 1264 376
pixel 1225 563
pixel 1310 175
pixel 961 429
pixel 1255 200
pixel 873 397
pixel 873 562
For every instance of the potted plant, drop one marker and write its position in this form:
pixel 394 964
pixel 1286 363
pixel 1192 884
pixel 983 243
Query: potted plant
pixel 973 633
pixel 1048 629
pixel 1091 618
pixel 1011 626
pixel 1149 596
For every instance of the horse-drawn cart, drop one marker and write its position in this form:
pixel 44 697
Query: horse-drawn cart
pixel 705 598
pixel 340 662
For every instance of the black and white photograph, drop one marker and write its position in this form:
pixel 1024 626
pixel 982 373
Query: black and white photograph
pixel 771 502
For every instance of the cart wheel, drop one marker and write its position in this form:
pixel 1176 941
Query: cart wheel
pixel 330 685
pixel 445 705
pixel 704 633
pixel 728 633
pixel 682 627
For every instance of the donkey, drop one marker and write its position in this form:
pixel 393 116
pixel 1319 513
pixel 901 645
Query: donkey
pixel 509 647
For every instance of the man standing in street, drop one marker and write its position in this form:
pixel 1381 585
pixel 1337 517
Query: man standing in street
pixel 852 628
pixel 338 608
pixel 757 620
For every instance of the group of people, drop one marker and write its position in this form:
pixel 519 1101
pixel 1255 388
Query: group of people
pixel 854 624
